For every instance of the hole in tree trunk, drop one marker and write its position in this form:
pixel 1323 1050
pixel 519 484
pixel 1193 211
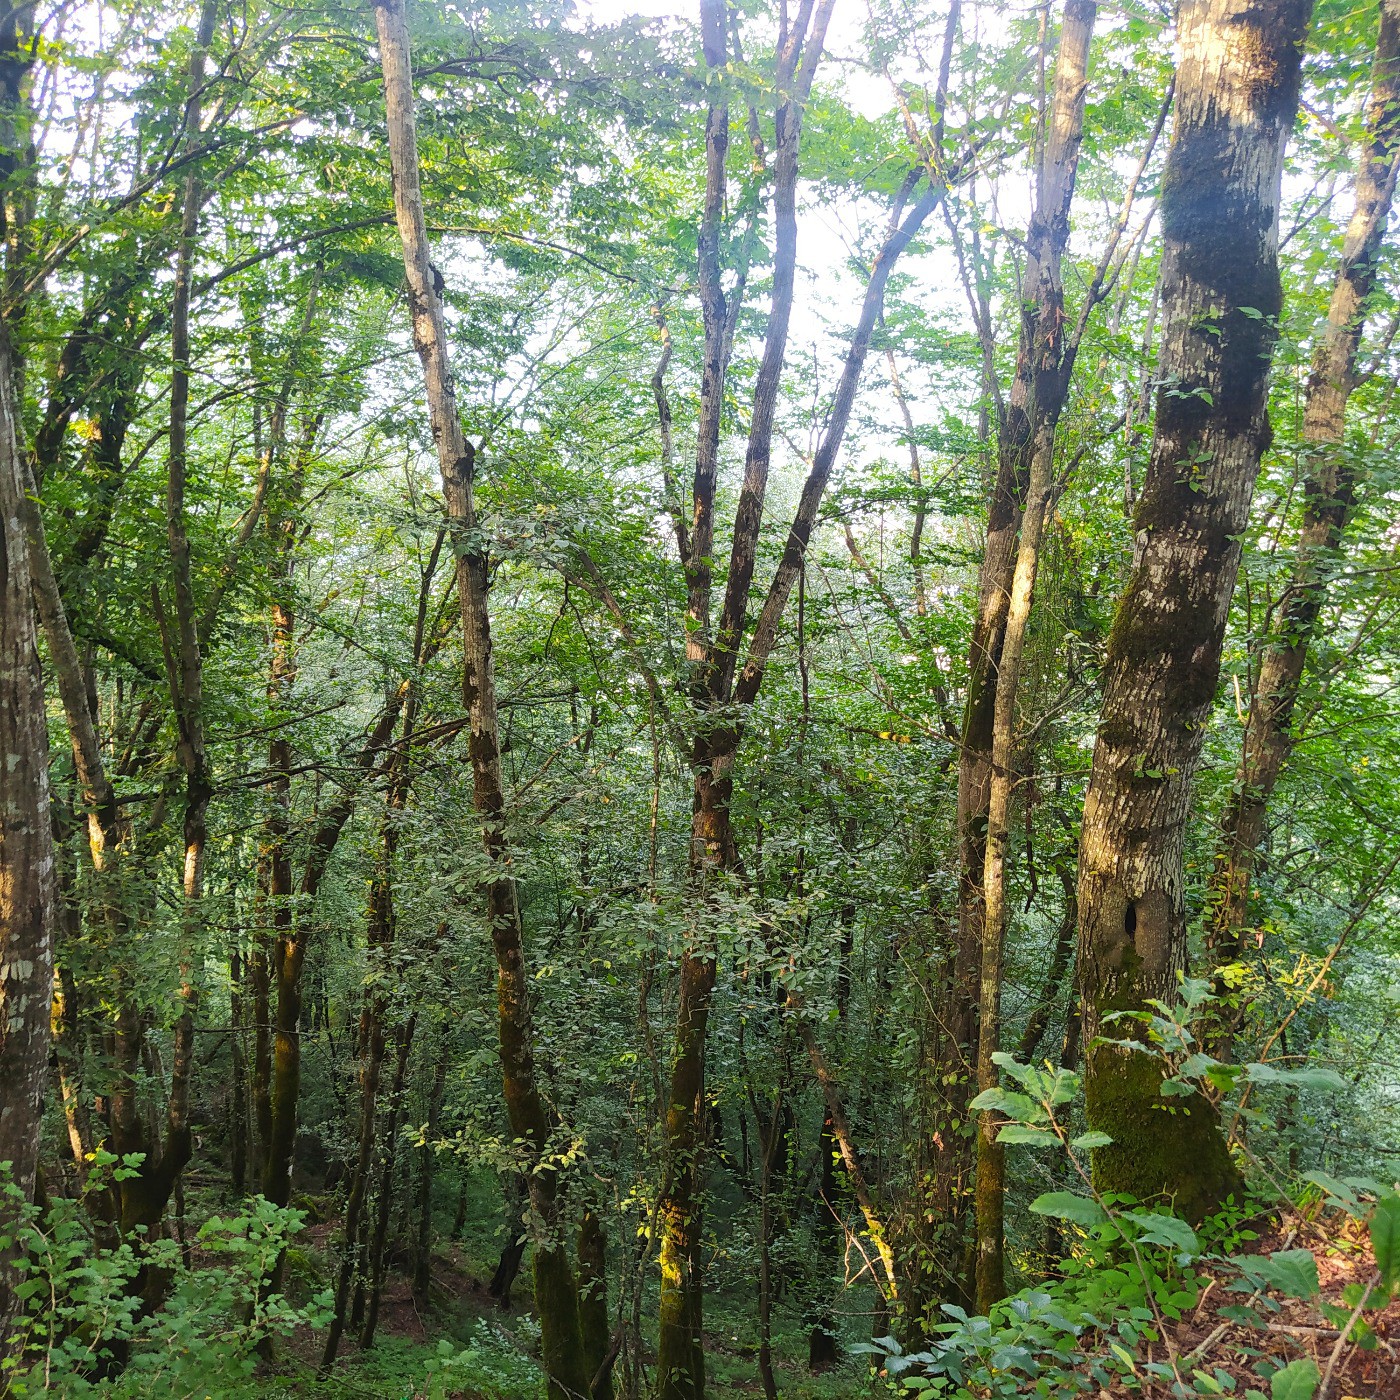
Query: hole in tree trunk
pixel 1130 919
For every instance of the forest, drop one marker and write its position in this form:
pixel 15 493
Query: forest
pixel 699 699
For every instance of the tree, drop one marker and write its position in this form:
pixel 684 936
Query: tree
pixel 1329 492
pixel 1236 98
pixel 27 894
pixel 556 1289
pixel 1044 362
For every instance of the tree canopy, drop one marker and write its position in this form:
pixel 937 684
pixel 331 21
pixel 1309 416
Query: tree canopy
pixel 699 701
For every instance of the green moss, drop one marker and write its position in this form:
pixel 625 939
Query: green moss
pixel 561 1341
pixel 1162 1147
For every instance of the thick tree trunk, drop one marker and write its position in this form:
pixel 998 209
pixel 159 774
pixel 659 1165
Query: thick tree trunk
pixel 556 1292
pixel 1044 362
pixel 1237 96
pixel 1328 492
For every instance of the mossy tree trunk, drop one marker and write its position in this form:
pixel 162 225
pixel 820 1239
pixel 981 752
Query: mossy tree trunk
pixel 1236 100
pixel 1329 492
pixel 593 1302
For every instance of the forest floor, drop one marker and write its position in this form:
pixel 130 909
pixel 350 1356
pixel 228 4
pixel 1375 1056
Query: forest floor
pixel 492 1350
pixel 1233 1353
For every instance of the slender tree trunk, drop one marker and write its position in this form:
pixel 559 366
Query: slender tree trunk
pixel 352 1262
pixel 184 662
pixel 278 953
pixel 593 1303
pixel 822 1348
pixel 556 1292
pixel 385 1198
pixel 238 1087
pixel 1237 96
pixel 427 1160
pixel 289 956
pixel 769 1143
pixel 1328 494
pixel 1055 977
pixel 850 1157
pixel 679 1362
pixel 27 892
pixel 1045 361
pixel 517 1198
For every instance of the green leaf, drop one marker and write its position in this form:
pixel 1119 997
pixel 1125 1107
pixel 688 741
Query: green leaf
pixel 1313 1077
pixel 1157 1228
pixel 1292 1272
pixel 1385 1239
pixel 1086 1142
pixel 1067 1205
pixel 1017 1106
pixel 1297 1381
pixel 1033 1137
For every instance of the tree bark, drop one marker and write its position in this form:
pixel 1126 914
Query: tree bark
pixel 184 662
pixel 27 892
pixel 1237 96
pixel 379 1237
pixel 679 1361
pixel 427 1162
pixel 1044 363
pixel 556 1292
pixel 517 1200
pixel 1328 493
pixel 289 955
pixel 593 1302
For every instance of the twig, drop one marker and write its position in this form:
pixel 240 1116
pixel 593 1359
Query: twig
pixel 1342 1340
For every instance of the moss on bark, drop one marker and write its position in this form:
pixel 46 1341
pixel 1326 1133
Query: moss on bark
pixel 1162 1147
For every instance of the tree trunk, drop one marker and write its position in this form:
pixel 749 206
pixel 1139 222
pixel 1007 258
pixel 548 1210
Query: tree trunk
pixel 1044 362
pixel 427 1161
pixel 679 1363
pixel 517 1199
pixel 1237 96
pixel 1328 493
pixel 379 1239
pixel 352 1262
pixel 184 663
pixel 27 892
pixel 556 1292
pixel 593 1303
